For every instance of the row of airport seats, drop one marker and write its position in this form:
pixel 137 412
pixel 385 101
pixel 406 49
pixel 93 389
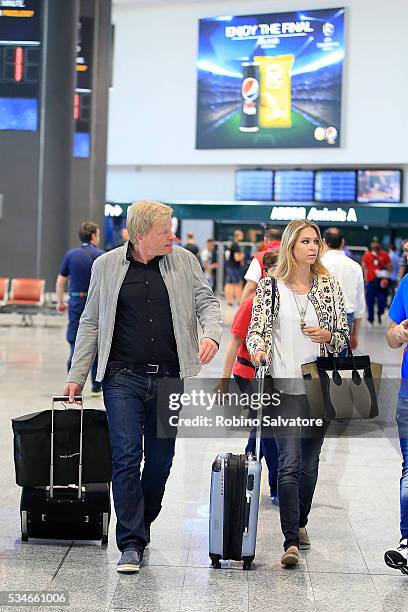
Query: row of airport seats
pixel 24 296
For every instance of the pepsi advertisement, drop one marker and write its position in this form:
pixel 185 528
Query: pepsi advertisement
pixel 271 80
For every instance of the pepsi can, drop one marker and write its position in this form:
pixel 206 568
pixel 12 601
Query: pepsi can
pixel 250 97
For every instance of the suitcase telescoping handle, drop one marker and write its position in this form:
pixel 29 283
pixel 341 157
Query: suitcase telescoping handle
pixel 261 379
pixel 65 398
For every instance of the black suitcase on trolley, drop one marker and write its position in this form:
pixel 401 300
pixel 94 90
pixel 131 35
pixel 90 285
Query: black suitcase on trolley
pixel 73 512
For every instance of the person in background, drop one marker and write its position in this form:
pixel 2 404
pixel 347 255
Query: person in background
pixel 377 266
pixel 76 266
pixel 193 247
pixel 233 270
pixel 350 276
pixel 238 361
pixel 124 236
pixel 345 250
pixel 403 262
pixel 395 261
pixel 397 337
pixel 144 302
pixel 210 264
pixel 255 271
pixel 308 320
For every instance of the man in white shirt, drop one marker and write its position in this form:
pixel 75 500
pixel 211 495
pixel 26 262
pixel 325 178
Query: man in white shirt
pixel 350 276
pixel 256 270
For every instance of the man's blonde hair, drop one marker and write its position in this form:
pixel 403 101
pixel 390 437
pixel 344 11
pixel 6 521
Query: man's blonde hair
pixel 143 214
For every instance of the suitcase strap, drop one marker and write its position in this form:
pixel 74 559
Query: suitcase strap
pixel 235 505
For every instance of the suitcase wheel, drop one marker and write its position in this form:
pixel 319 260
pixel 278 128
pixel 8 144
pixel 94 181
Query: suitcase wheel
pixel 24 536
pixel 247 565
pixel 104 540
pixel 215 561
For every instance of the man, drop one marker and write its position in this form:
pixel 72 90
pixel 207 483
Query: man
pixel 238 362
pixel 76 266
pixel 193 247
pixel 210 264
pixel 233 270
pixel 397 336
pixel 403 263
pixel 124 236
pixel 350 276
pixel 395 261
pixel 376 266
pixel 141 316
pixel 256 270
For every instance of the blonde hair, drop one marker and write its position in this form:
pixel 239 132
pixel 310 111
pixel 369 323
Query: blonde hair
pixel 286 264
pixel 143 214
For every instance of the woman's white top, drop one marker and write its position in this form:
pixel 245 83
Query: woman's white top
pixel 290 347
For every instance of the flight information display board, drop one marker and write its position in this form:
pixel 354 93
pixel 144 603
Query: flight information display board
pixel 20 60
pixel 83 91
pixel 335 186
pixel 379 186
pixel 294 186
pixel 254 185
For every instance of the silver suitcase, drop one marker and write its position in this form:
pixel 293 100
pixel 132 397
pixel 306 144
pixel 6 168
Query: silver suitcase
pixel 234 502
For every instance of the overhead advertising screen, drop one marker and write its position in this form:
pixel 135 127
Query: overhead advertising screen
pixel 294 186
pixel 83 91
pixel 254 185
pixel 20 58
pixel 335 186
pixel 379 186
pixel 270 80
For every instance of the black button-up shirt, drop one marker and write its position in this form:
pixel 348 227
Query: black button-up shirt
pixel 143 330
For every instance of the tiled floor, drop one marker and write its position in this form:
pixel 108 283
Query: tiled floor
pixel 354 518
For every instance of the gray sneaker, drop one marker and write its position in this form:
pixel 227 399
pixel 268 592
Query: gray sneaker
pixel 304 540
pixel 129 562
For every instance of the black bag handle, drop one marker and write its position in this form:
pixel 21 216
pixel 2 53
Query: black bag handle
pixel 273 294
pixel 336 375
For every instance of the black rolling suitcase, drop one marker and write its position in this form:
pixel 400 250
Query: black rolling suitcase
pixel 69 512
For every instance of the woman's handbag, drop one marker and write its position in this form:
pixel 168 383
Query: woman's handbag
pixel 343 388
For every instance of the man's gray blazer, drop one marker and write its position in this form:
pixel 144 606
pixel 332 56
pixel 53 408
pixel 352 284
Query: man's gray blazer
pixel 190 296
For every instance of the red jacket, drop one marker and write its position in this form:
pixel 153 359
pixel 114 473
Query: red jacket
pixel 375 261
pixel 239 328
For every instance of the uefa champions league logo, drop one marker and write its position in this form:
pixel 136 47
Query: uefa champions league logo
pixel 328 29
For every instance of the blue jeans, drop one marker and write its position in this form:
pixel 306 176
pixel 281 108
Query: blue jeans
pixel 75 309
pixel 373 293
pixel 131 407
pixel 402 422
pixel 299 453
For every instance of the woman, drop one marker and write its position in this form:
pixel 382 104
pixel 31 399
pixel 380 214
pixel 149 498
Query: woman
pixel 308 311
